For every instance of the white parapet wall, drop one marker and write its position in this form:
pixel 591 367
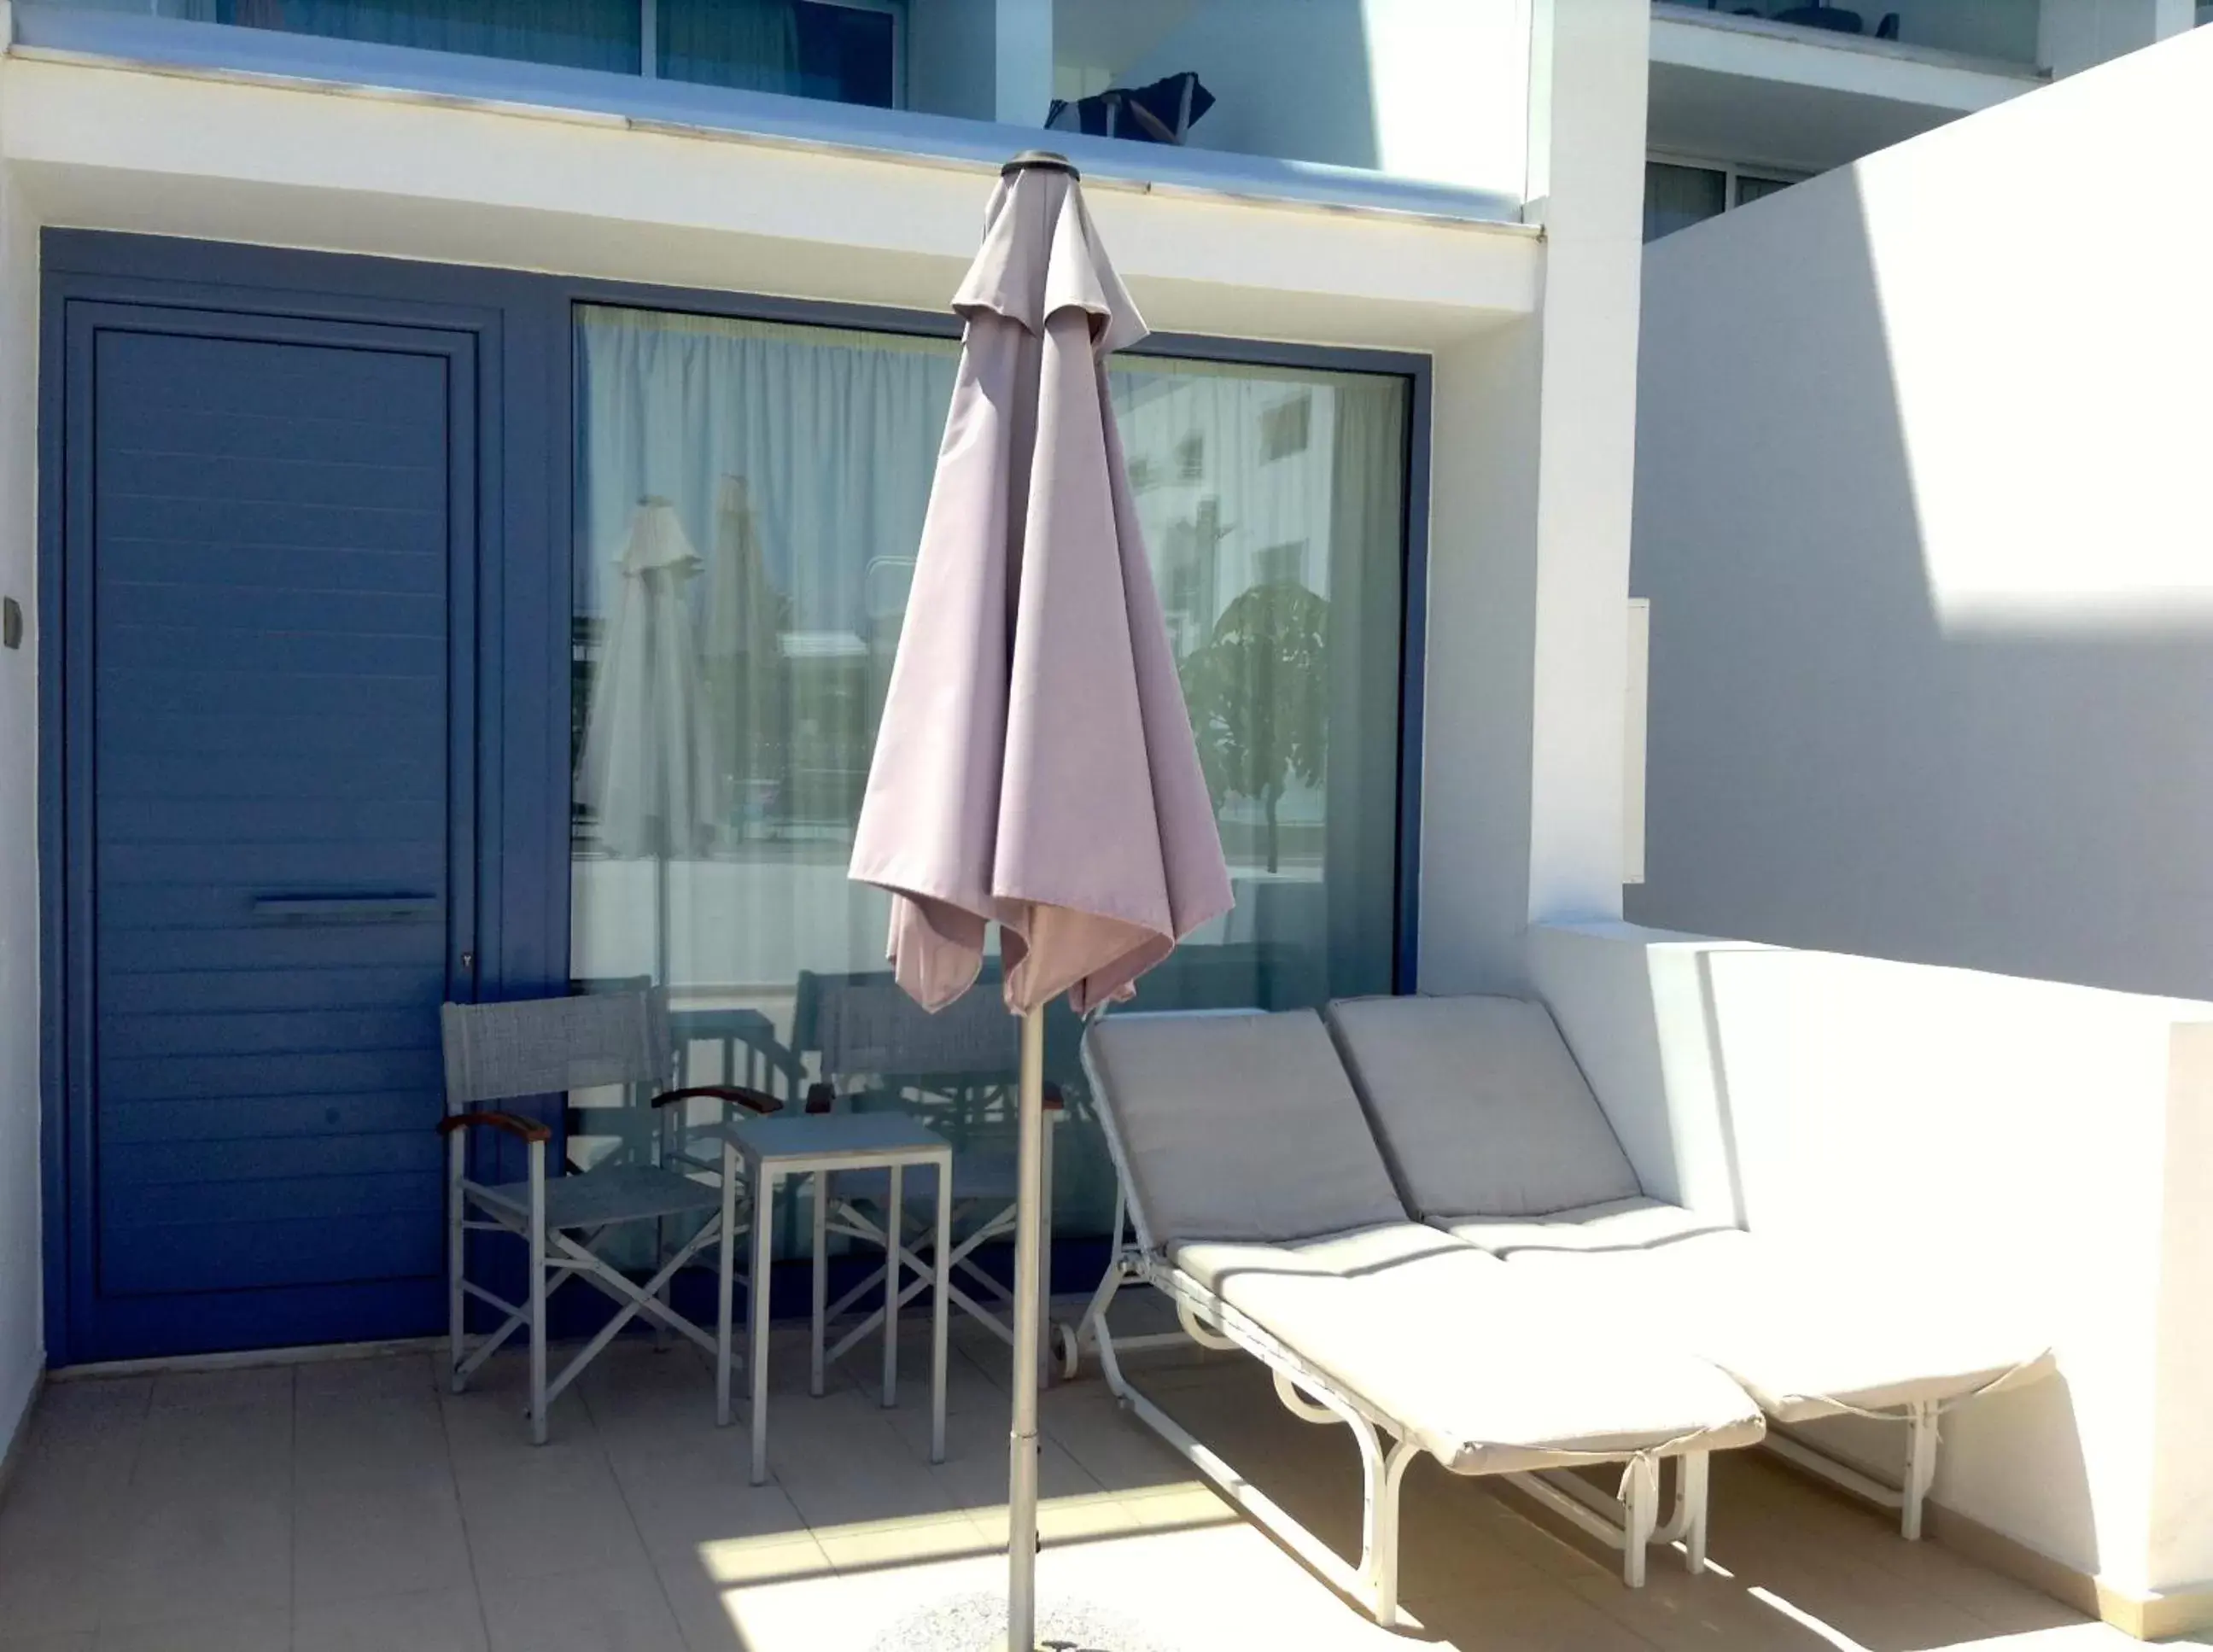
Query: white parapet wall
pixel 1922 513
pixel 1977 1134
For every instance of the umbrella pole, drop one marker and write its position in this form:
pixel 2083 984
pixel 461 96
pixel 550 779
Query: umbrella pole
pixel 1022 1444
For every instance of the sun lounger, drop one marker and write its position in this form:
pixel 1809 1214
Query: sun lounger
pixel 1493 1136
pixel 1261 1205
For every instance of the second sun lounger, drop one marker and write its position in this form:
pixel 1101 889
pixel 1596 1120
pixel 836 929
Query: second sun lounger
pixel 1262 1207
pixel 1493 1136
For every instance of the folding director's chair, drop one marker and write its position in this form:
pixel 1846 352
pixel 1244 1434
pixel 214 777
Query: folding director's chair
pixel 567 1217
pixel 876 1049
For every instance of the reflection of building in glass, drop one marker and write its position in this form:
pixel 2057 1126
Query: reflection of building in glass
pixel 1241 474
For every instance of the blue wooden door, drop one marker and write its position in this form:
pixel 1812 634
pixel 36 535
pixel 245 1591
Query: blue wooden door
pixel 270 529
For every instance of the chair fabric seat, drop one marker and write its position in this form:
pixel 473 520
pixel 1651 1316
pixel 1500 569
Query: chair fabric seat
pixel 1808 1336
pixel 593 1198
pixel 1486 1373
pixel 988 1175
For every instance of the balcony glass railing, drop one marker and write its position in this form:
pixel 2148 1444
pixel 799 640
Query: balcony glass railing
pixel 1999 31
pixel 1429 91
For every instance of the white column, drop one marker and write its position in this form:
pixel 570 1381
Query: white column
pixel 1587 186
pixel 1532 440
pixel 1022 62
pixel 983 59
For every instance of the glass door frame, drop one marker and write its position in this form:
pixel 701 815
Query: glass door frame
pixel 1414 369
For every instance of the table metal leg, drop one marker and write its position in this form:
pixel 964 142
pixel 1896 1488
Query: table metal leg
pixel 894 1227
pixel 757 1299
pixel 821 1193
pixel 942 1265
pixel 725 1284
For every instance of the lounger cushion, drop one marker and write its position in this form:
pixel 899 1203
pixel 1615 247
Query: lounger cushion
pixel 1617 1225
pixel 1807 1335
pixel 1240 1126
pixel 1485 1371
pixel 1366 1251
pixel 1480 1108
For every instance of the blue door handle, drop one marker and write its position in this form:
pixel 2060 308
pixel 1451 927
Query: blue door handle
pixel 346 909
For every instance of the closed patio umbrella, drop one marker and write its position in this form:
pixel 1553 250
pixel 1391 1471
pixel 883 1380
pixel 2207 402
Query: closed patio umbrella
pixel 647 769
pixel 1034 767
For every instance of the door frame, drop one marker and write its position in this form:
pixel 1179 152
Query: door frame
pixel 110 1329
pixel 92 284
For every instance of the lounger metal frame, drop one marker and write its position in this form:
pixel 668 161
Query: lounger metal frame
pixel 1920 1420
pixel 1628 1522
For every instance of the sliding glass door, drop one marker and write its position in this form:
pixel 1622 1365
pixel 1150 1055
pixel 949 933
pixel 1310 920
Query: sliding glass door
pixel 748 499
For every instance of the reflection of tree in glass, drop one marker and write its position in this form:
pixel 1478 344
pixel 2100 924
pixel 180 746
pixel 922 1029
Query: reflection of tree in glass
pixel 1258 690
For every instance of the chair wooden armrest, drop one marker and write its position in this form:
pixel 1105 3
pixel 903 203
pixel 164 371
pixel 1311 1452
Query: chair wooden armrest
pixel 758 1101
pixel 528 1130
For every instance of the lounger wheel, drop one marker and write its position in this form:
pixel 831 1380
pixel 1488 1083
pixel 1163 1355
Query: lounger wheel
pixel 1067 1349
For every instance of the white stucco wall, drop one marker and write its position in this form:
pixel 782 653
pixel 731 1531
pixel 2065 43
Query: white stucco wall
pixel 1922 513
pixel 22 1341
pixel 2023 1147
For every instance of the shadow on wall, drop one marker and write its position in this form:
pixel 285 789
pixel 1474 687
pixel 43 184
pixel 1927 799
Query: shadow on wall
pixel 1920 513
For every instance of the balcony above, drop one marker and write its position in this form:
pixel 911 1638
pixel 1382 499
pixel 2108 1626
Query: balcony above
pixel 1777 88
pixel 1401 106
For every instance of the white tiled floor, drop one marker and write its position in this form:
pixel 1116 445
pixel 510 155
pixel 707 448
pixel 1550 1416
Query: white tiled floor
pixel 355 1507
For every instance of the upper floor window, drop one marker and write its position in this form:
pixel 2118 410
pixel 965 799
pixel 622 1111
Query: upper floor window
pixel 1677 194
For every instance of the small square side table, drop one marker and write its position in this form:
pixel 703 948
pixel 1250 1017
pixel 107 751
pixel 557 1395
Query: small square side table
pixel 799 1144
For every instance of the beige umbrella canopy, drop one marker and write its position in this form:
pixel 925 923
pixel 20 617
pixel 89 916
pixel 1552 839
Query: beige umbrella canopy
pixel 1034 767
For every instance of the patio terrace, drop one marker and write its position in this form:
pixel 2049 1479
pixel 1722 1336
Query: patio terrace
pixel 352 1503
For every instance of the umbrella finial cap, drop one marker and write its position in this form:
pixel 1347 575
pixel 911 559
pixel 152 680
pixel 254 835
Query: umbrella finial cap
pixel 1039 161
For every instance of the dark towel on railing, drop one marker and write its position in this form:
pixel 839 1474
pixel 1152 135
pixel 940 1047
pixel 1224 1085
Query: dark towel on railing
pixel 1162 113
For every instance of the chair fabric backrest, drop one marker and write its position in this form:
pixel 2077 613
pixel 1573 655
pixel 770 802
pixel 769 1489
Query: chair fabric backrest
pixel 865 1026
pixel 1236 1126
pixel 1480 1108
pixel 549 1046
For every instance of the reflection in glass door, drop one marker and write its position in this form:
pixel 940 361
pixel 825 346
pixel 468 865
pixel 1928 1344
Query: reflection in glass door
pixel 748 499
